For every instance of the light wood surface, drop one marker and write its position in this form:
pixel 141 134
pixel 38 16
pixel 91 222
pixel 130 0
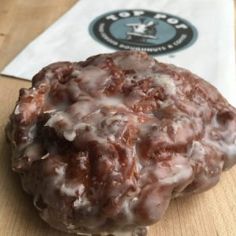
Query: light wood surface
pixel 207 214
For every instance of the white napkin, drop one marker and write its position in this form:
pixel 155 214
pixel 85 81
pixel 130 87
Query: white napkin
pixel 211 56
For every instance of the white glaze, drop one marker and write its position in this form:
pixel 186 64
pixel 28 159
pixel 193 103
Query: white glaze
pixel 17 110
pixel 111 101
pixel 166 82
pixel 60 171
pixel 45 156
pixel 181 173
pixel 71 190
pixel 69 135
pixel 82 201
pixel 197 151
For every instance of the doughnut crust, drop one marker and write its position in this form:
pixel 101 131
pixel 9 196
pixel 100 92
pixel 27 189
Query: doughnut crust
pixel 103 145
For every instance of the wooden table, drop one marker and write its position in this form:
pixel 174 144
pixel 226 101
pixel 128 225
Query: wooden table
pixel 207 214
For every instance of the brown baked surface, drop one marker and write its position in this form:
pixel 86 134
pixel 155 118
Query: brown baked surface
pixel 103 145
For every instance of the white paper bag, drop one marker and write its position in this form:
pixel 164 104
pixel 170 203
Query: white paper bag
pixel 210 53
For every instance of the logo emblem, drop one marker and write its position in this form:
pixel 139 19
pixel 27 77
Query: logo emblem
pixel 156 33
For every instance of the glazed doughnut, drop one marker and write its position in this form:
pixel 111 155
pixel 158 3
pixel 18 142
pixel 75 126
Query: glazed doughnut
pixel 103 145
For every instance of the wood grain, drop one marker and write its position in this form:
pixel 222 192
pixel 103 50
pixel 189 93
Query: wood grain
pixel 207 214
